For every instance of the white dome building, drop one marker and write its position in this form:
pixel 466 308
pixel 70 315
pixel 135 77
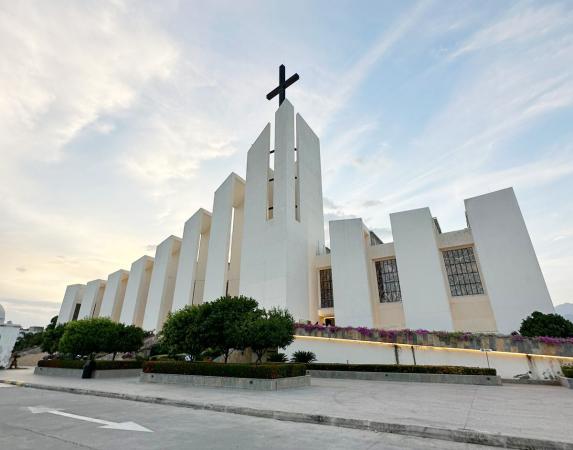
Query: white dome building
pixel 2 315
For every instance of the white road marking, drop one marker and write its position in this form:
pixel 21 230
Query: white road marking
pixel 127 426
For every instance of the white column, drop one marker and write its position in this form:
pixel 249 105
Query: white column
pixel 229 195
pixel 419 261
pixel 72 297
pixel 350 284
pixel 162 285
pixel 195 241
pixel 513 279
pixel 136 292
pixel 92 298
pixel 114 295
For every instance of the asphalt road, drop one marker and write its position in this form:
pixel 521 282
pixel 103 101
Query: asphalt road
pixel 171 427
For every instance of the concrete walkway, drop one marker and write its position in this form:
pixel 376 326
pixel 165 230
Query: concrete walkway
pixel 454 412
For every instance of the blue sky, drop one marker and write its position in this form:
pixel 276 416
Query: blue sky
pixel 119 119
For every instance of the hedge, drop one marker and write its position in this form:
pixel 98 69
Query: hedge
pixel 100 364
pixel 267 371
pixel 567 371
pixel 451 370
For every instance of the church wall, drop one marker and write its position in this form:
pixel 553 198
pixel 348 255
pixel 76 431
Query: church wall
pixel 91 299
pixel 391 316
pixel 136 292
pixel 422 283
pixel 512 275
pixel 190 271
pixel 227 197
pixel 350 280
pixel 72 297
pixel 114 294
pixel 162 284
pixel 508 365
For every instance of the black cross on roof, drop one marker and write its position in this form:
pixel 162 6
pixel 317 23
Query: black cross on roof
pixel 281 88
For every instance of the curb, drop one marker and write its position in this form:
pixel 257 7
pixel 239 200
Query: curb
pixel 446 434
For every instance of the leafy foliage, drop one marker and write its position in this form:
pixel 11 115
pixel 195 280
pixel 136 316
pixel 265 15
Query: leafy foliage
pixel 270 329
pixel 277 358
pixel 226 324
pixel 304 357
pixel 89 336
pixel 29 340
pixel 567 371
pixel 553 325
pixel 51 336
pixel 267 371
pixel 99 364
pixel 452 370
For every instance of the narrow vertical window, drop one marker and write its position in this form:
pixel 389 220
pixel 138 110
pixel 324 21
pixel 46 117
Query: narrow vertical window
pixel 388 281
pixel 462 271
pixel 326 297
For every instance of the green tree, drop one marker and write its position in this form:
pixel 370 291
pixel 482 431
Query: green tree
pixel 185 331
pixel 227 323
pixel 87 337
pixel 123 339
pixel 270 330
pixel 219 326
pixel 539 324
pixel 51 336
pixel 29 340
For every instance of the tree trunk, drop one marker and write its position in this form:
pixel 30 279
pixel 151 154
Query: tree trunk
pixel 113 357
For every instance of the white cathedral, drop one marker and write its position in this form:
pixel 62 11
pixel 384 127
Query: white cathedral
pixel 265 239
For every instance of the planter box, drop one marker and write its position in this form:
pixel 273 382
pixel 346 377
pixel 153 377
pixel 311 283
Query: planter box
pixel 255 384
pixel 488 380
pixel 77 373
pixel 566 382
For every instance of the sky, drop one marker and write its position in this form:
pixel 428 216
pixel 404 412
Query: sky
pixel 119 119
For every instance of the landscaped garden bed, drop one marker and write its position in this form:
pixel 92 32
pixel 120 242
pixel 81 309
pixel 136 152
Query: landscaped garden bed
pixel 74 367
pixel 387 372
pixel 567 378
pixel 240 376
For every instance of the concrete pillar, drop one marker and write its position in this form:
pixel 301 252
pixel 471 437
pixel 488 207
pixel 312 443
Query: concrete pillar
pixel 226 226
pixel 136 292
pixel 72 298
pixel 513 279
pixel 194 251
pixel 162 284
pixel 92 298
pixel 350 283
pixel 113 295
pixel 422 280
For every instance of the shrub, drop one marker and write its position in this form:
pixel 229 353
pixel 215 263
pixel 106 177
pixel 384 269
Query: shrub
pixel 51 336
pixel 266 371
pixel 99 364
pixel 552 325
pixel 451 370
pixel 221 325
pixel 89 336
pixel 277 358
pixel 304 357
pixel 567 371
pixel 269 330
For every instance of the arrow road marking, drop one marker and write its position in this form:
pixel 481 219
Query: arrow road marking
pixel 127 426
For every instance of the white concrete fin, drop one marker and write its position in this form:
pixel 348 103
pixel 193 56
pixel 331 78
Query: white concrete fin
pixel 162 284
pixel 72 297
pixel 226 233
pixel 91 299
pixel 422 280
pixel 512 275
pixel 136 291
pixel 114 294
pixel 192 260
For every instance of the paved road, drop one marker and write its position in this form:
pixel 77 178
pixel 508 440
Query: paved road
pixel 172 427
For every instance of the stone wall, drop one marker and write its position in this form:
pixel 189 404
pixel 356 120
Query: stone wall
pixel 473 341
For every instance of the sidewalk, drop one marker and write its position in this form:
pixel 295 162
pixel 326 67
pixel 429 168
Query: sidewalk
pixel 458 412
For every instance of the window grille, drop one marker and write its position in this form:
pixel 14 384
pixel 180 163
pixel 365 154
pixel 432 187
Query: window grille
pixel 388 281
pixel 462 271
pixel 326 297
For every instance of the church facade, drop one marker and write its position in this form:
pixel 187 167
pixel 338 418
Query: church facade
pixel 265 238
